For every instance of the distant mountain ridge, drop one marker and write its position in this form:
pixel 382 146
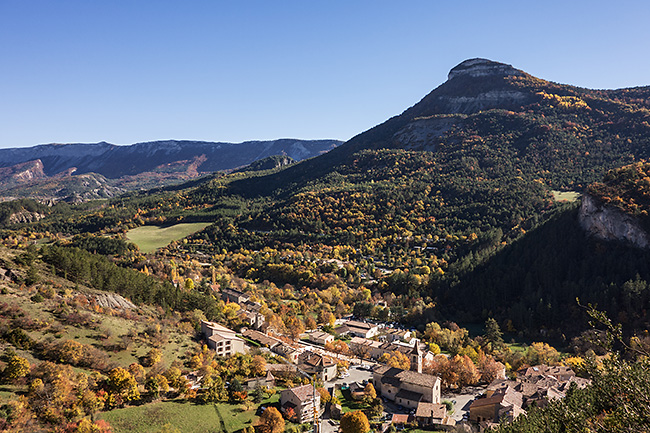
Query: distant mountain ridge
pixel 113 161
pixel 60 171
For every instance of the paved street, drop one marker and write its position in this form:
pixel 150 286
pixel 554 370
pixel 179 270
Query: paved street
pixel 356 375
pixel 463 400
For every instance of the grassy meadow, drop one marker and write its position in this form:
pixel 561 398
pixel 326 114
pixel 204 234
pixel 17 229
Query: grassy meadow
pixel 185 416
pixel 569 196
pixel 150 238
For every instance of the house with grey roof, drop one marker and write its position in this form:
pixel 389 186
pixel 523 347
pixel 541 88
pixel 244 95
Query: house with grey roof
pixel 406 388
pixel 303 401
pixel 320 337
pixel 432 414
pixel 359 329
pixel 314 363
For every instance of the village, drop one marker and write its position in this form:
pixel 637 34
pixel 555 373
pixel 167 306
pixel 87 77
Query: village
pixel 396 398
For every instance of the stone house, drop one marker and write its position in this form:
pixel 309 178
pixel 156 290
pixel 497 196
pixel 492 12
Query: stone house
pixel 432 414
pixel 261 338
pixel 303 400
pixel 365 348
pixel 267 382
pixel 288 352
pixel 358 329
pixel 506 399
pixel 232 295
pixel 391 335
pixel 320 337
pixel 221 339
pixel 313 363
pixel 406 388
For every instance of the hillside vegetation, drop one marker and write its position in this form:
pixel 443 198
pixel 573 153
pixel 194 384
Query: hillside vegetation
pixel 416 203
pixel 444 213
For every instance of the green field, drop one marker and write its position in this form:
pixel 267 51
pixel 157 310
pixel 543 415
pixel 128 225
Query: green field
pixel 184 416
pixel 150 238
pixel 569 196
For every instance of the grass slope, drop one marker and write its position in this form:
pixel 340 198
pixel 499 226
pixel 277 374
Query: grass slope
pixel 150 238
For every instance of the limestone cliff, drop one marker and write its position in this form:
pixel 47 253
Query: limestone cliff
pixel 610 223
pixel 482 68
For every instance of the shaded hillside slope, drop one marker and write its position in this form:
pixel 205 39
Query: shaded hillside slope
pixel 536 281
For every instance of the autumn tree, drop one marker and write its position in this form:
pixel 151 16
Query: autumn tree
pixel 325 396
pixel 271 421
pixel 467 372
pixel 258 365
pixel 153 357
pixel 542 353
pixel 52 391
pixel 85 425
pixel 16 368
pixel 396 359
pixel 156 384
pixel 355 422
pixel 294 326
pixel 369 393
pixel 121 383
pixel 489 368
pixel 213 389
pixel 138 372
pixel 310 323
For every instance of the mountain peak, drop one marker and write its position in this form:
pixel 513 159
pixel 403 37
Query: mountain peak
pixel 482 68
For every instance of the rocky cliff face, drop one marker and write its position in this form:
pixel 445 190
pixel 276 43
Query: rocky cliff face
pixel 611 224
pixel 22 172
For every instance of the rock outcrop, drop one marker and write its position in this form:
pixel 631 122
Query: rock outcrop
pixel 25 216
pixel 612 224
pixel 482 68
pixel 114 301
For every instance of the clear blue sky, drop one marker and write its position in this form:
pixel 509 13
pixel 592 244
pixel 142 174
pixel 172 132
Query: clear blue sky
pixel 130 71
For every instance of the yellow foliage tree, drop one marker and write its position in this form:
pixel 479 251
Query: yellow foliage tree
pixel 396 359
pixel 355 422
pixel 16 368
pixel 271 421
